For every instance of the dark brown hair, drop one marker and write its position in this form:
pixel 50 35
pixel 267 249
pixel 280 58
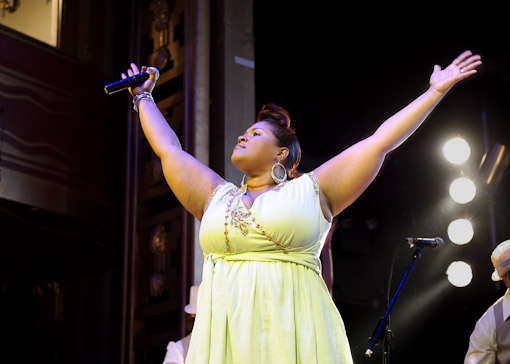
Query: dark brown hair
pixel 279 120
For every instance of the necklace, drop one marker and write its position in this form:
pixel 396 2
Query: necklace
pixel 242 219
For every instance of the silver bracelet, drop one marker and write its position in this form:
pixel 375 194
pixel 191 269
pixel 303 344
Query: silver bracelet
pixel 144 95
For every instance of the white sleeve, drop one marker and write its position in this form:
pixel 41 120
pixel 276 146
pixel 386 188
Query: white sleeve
pixel 174 353
pixel 482 342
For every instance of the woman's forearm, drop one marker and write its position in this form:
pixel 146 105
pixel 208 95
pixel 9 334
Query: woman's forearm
pixel 395 130
pixel 156 128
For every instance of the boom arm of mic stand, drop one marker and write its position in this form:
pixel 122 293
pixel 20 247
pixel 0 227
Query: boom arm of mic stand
pixel 383 323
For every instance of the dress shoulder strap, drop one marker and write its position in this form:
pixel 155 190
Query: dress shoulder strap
pixel 315 182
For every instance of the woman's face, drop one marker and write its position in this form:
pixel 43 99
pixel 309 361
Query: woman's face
pixel 256 149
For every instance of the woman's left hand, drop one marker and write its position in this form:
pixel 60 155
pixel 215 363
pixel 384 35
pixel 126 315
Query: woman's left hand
pixel 462 67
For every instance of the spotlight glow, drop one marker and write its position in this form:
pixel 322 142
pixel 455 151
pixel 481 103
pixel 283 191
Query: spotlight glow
pixel 462 190
pixel 457 151
pixel 460 231
pixel 459 274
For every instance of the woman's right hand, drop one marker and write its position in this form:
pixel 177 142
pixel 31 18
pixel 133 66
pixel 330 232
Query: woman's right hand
pixel 148 85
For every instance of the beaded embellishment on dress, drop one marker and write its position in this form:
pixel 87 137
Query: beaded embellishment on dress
pixel 242 218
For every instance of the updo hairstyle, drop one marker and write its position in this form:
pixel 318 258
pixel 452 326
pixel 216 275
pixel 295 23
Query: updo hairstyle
pixel 285 134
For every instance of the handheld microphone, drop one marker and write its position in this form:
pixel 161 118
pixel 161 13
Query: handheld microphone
pixel 434 243
pixel 126 83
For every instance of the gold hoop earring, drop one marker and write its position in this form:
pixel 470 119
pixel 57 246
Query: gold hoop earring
pixel 278 179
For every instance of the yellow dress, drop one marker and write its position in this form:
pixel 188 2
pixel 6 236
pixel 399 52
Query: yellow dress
pixel 262 299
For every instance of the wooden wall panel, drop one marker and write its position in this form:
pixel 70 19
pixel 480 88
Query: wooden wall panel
pixel 57 145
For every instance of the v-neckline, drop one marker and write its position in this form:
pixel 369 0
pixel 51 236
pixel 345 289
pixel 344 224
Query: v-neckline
pixel 253 203
pixel 244 191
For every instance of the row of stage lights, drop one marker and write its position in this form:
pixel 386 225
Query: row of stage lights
pixel 462 191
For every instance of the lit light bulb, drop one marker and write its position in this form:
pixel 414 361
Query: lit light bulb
pixel 457 150
pixel 460 231
pixel 462 190
pixel 459 274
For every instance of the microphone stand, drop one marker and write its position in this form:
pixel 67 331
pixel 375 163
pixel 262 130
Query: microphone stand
pixel 382 329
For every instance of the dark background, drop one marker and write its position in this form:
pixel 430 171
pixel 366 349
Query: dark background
pixel 342 70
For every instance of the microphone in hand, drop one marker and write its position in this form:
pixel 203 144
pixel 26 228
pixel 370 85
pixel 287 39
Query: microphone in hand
pixel 126 83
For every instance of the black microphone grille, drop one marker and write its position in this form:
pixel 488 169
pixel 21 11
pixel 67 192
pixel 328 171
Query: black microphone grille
pixel 439 242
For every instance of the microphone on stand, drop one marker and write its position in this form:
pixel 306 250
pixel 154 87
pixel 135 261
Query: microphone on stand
pixel 126 83
pixel 434 243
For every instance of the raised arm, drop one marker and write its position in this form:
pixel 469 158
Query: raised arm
pixel 343 178
pixel 191 181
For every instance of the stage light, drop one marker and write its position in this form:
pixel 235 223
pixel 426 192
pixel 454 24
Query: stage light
pixel 495 164
pixel 460 231
pixel 457 150
pixel 462 190
pixel 459 274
